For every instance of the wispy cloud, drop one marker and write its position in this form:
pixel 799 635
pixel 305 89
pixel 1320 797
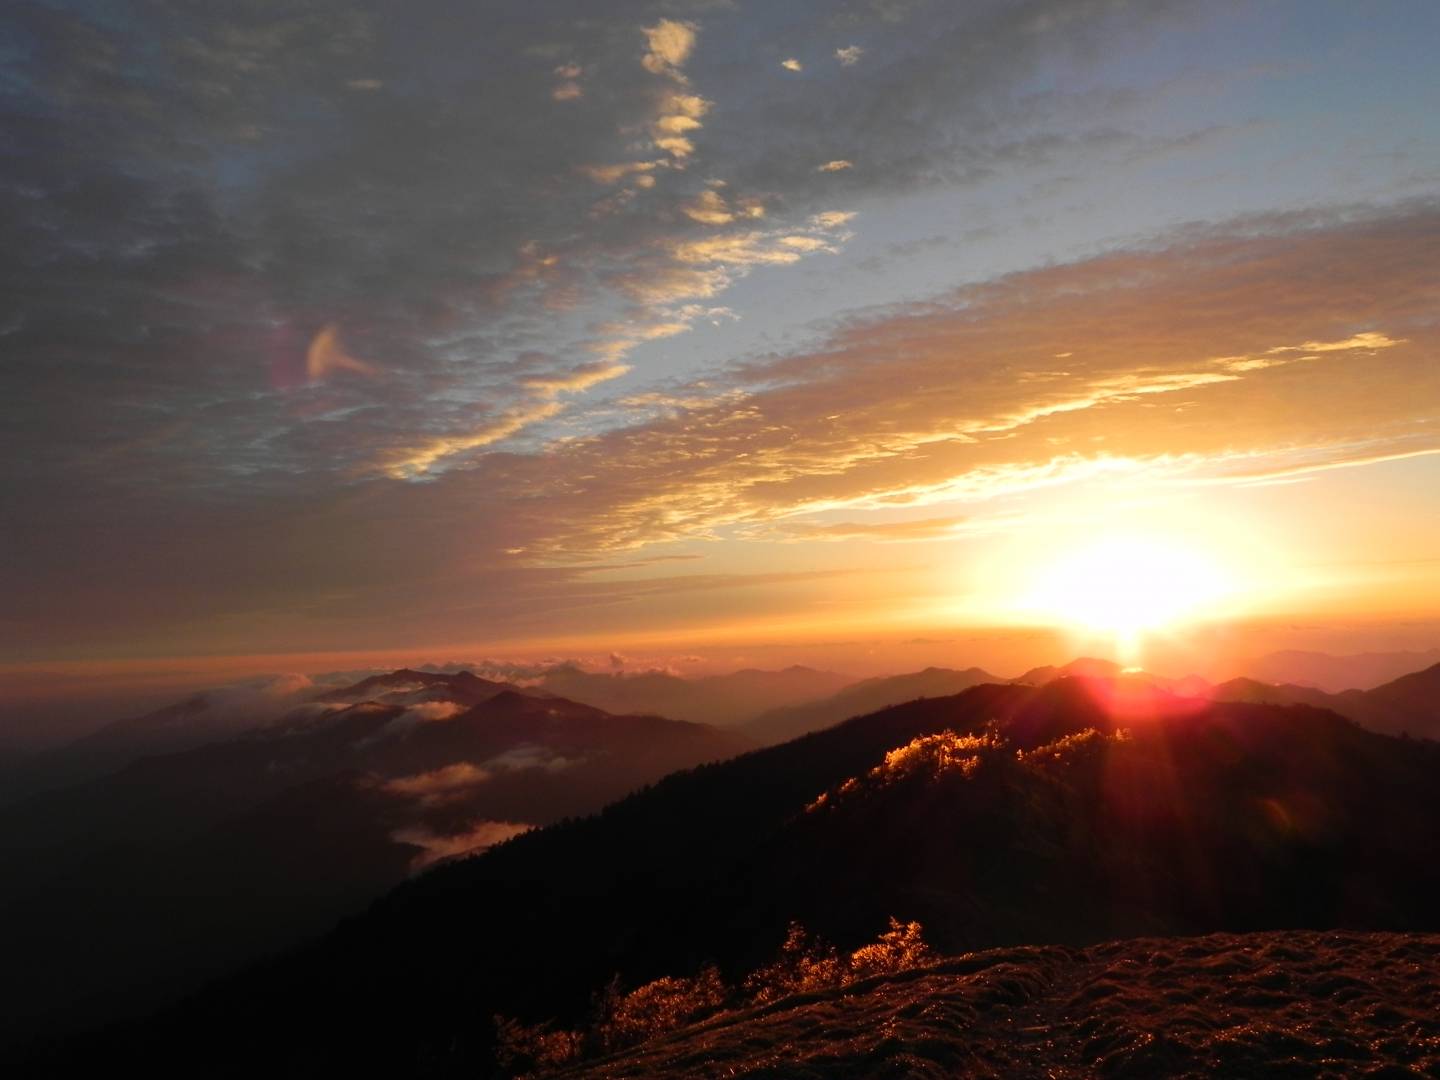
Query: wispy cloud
pixel 931 528
pixel 438 846
pixel 440 785
pixel 568 87
pixel 961 397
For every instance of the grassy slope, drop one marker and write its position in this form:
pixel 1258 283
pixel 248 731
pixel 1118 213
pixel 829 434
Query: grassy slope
pixel 1288 1003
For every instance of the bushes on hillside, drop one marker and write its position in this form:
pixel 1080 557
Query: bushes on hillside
pixel 621 1019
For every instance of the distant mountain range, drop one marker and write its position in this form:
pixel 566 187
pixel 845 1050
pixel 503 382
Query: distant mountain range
pixel 120 892
pixel 198 719
pixel 731 700
pixel 1408 705
pixel 769 706
pixel 783 724
pixel 1361 671
pixel 1077 810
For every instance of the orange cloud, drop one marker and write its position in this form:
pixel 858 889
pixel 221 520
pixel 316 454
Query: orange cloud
pixel 420 459
pixel 669 44
pixel 959 398
pixel 436 847
pixel 613 174
pixel 933 528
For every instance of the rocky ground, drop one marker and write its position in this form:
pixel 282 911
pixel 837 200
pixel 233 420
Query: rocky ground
pixel 1286 1004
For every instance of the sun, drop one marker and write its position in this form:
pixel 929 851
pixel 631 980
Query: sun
pixel 1128 586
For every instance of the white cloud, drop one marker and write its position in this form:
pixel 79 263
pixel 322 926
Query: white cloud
pixel 440 785
pixel 427 712
pixel 531 756
pixel 850 55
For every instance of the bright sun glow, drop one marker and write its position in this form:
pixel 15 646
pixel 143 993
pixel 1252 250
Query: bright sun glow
pixel 1128 586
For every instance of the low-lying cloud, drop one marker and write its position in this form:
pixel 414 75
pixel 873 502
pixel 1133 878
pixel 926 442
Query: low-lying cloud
pixel 436 847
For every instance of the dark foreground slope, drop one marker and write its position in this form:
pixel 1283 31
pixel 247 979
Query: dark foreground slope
pixel 1067 813
pixel 1270 1004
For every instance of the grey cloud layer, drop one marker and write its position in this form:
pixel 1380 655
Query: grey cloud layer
pixel 261 264
pixel 261 248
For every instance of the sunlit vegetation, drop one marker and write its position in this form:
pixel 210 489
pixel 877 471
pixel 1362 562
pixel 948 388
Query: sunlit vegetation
pixel 1279 1004
pixel 620 1019
pixel 1071 748
pixel 934 754
pixel 949 754
pixel 926 757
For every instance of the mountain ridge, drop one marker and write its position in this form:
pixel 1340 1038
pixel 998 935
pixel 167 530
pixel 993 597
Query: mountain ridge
pixel 1118 806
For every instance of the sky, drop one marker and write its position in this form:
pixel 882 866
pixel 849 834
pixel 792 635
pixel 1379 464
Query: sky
pixel 865 334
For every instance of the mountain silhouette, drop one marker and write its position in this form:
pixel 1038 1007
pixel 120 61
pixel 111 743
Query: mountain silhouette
pixel 1070 812
pixel 1085 667
pixel 409 686
pixel 1335 674
pixel 126 890
pixel 1407 705
pixel 721 700
pixel 198 719
pixel 866 696
pixel 223 713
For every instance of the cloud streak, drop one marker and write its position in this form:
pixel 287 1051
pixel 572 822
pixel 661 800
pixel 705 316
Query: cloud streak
pixel 964 397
